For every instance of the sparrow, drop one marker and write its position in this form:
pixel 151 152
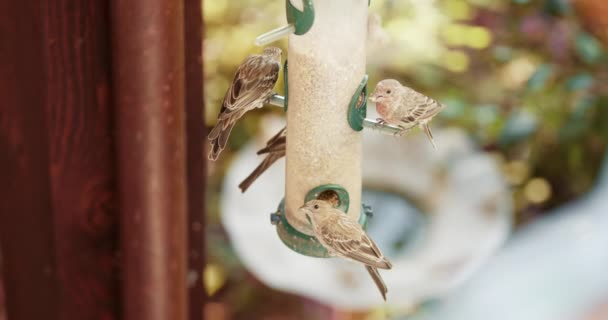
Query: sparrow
pixel 404 107
pixel 251 88
pixel 274 150
pixel 342 236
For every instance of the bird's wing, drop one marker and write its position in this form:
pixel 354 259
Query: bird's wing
pixel 276 143
pixel 253 83
pixel 419 107
pixel 346 238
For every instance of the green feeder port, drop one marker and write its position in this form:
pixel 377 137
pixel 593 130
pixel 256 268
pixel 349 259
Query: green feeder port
pixel 333 193
pixel 286 84
pixel 301 20
pixel 357 109
pixel 303 243
pixel 306 244
pixel 281 101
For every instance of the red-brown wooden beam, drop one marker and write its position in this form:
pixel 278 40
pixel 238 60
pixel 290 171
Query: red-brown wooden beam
pixel 149 95
pixel 57 214
pixel 195 129
pixel 72 142
pixel 82 156
pixel 26 238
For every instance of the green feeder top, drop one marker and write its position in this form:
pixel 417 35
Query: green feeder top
pixel 301 20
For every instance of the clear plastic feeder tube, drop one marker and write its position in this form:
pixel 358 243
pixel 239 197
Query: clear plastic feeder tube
pixel 326 66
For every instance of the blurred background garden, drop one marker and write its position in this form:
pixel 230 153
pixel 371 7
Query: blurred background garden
pixel 526 79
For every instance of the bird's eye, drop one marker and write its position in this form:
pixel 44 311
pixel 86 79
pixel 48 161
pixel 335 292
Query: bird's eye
pixel 316 206
pixel 388 91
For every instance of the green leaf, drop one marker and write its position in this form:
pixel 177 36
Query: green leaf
pixel 539 78
pixel 454 109
pixel 486 114
pixel 588 48
pixel 503 53
pixel 519 126
pixel 557 7
pixel 579 81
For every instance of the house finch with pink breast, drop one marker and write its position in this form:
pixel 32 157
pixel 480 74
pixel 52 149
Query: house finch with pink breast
pixel 274 150
pixel 342 236
pixel 404 107
pixel 251 88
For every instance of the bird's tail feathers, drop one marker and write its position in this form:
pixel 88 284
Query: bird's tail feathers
pixel 219 138
pixel 429 134
pixel 373 272
pixel 279 147
pixel 215 132
pixel 388 265
pixel 266 163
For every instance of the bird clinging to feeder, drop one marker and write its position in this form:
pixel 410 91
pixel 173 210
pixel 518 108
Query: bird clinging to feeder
pixel 274 150
pixel 342 236
pixel 251 88
pixel 404 107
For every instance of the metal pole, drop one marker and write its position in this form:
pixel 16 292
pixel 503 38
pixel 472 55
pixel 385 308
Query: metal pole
pixel 148 56
pixel 326 65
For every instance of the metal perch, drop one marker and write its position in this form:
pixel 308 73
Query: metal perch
pixel 279 101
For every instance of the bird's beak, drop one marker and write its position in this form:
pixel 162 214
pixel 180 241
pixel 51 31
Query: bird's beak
pixel 302 207
pixel 308 218
pixel 373 98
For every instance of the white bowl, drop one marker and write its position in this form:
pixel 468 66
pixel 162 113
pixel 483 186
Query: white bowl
pixel 460 190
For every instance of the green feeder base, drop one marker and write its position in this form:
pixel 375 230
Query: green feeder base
pixel 303 243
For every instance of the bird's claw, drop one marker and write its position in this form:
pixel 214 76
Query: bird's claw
pixel 380 122
pixel 402 131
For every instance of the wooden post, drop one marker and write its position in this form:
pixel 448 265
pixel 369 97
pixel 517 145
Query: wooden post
pixel 196 160
pixel 148 54
pixel 57 210
pixel 26 235
pixel 76 140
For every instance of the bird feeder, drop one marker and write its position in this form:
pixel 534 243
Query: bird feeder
pixel 326 74
pixel 325 101
pixel 453 212
pixel 326 86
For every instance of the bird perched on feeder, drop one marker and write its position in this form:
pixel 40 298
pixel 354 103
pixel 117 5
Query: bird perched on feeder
pixel 274 150
pixel 404 107
pixel 342 236
pixel 251 88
